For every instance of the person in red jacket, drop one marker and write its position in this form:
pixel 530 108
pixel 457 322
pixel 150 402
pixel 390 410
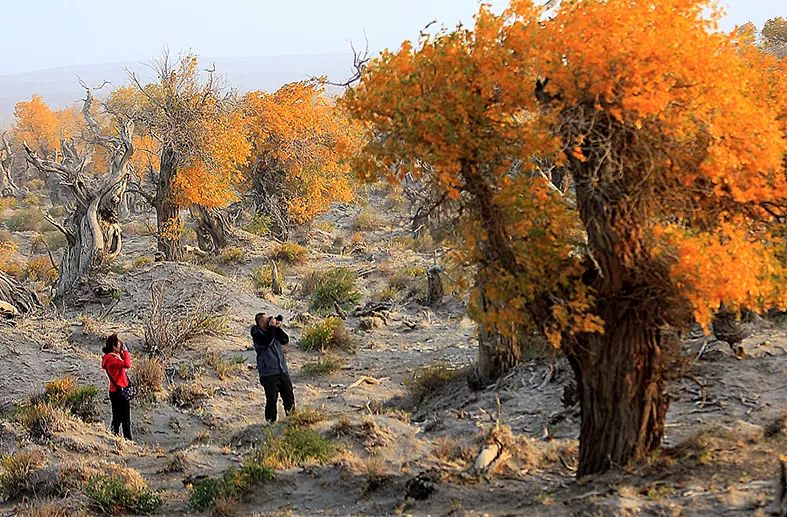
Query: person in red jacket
pixel 116 361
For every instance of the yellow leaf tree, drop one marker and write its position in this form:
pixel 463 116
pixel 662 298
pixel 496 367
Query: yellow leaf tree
pixel 198 136
pixel 672 134
pixel 300 139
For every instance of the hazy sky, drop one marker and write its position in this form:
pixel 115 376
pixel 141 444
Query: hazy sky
pixel 41 34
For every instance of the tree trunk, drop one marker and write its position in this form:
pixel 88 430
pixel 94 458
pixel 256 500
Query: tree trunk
pixel 214 228
pixel 169 222
pixel 11 291
pixel 497 353
pixel 434 292
pixel 620 385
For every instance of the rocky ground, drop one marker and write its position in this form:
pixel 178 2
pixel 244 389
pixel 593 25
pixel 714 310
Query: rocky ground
pixel 398 409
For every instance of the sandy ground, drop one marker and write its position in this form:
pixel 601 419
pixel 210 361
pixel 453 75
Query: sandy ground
pixel 716 460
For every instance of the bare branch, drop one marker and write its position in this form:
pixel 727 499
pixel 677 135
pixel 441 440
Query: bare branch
pixel 359 62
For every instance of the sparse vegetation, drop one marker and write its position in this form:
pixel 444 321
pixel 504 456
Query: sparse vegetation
pixel 289 253
pixel 231 255
pixel 27 220
pixel 233 484
pixel 429 379
pixel 336 285
pixel 112 496
pixel 305 417
pixel 224 368
pixel 263 277
pixel 330 333
pixel 65 394
pixel 259 225
pixel 367 220
pixel 16 476
pixel 148 376
pixel 288 446
pixel 42 420
pixel 187 395
pixel 321 367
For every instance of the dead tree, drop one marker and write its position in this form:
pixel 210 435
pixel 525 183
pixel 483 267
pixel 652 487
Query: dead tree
pixel 92 231
pixel 15 294
pixel 7 186
pixel 435 291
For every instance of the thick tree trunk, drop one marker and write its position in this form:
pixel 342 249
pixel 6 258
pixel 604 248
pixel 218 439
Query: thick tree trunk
pixel 170 224
pixel 214 228
pixel 11 291
pixel 434 282
pixel 621 389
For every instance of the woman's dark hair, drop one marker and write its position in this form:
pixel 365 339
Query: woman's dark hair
pixel 110 345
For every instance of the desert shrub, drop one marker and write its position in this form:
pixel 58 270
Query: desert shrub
pixel 429 379
pixel 27 220
pixel 330 333
pixel 51 508
pixel 148 376
pixel 287 446
pixel 11 262
pixel 305 416
pixel 408 282
pixel 7 203
pixel 187 395
pixel 336 285
pixel 42 420
pixel 231 254
pixel 325 225
pixel 58 211
pixel 233 484
pixel 368 220
pixel 289 253
pixel 224 368
pixel 260 225
pixel 322 366
pixel 55 240
pixel 111 495
pixel 178 463
pixel 79 401
pixel 16 476
pixel 40 269
pixel 169 327
pixel 263 277
pixel 142 261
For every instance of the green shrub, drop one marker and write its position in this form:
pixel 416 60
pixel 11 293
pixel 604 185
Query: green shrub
pixel 305 416
pixel 289 253
pixel 27 220
pixel 232 484
pixel 231 254
pixel 328 333
pixel 429 379
pixel 332 286
pixel 263 277
pixel 291 446
pixel 259 225
pixel 113 496
pixel 79 401
pixel 321 367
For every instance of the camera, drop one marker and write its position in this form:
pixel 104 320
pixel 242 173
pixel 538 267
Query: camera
pixel 278 318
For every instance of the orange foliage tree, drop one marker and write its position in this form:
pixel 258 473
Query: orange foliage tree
pixel 672 134
pixel 299 140
pixel 195 135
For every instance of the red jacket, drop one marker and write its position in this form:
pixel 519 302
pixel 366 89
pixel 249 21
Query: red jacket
pixel 116 368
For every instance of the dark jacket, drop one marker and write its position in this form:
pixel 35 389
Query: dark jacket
pixel 270 352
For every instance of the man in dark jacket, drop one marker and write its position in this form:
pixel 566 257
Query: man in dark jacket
pixel 269 339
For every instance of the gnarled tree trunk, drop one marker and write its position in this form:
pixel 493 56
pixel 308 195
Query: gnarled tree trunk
pixel 8 187
pixel 169 222
pixel 12 292
pixel 214 228
pixel 92 230
pixel 268 185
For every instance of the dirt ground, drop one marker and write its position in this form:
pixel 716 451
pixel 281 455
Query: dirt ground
pixel 720 455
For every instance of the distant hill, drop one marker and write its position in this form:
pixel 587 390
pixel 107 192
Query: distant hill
pixel 60 86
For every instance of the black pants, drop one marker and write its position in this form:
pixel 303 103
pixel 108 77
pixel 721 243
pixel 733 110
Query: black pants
pixel 121 414
pixel 273 386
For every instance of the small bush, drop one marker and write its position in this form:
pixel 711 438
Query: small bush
pixel 325 225
pixel 368 220
pixel 42 420
pixel 231 254
pixel 112 496
pixel 11 262
pixel 224 368
pixel 290 446
pixel 263 277
pixel 57 211
pixel 305 417
pixel 232 484
pixel 143 261
pixel 187 395
pixel 328 333
pixel 79 401
pixel 289 253
pixel 259 225
pixel 429 379
pixel 148 376
pixel 332 286
pixel 40 269
pixel 27 220
pixel 16 476
pixel 321 367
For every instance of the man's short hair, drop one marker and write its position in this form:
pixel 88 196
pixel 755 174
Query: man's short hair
pixel 259 317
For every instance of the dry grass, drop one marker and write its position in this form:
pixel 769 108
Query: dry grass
pixel 224 368
pixel 263 277
pixel 148 376
pixel 367 432
pixel 368 220
pixel 187 395
pixel 322 367
pixel 330 333
pixel 289 253
pixel 305 417
pixel 17 474
pixel 231 255
pixel 430 379
pixel 42 421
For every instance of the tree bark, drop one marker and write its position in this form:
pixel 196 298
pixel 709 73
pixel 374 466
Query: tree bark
pixel 23 299
pixel 621 389
pixel 434 282
pixel 169 222
pixel 214 228
pixel 8 187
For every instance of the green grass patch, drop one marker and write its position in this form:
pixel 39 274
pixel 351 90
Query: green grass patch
pixel 336 285
pixel 113 496
pixel 321 367
pixel 330 333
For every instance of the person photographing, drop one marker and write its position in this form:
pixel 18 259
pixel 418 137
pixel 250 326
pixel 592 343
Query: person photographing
pixel 116 361
pixel 269 340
